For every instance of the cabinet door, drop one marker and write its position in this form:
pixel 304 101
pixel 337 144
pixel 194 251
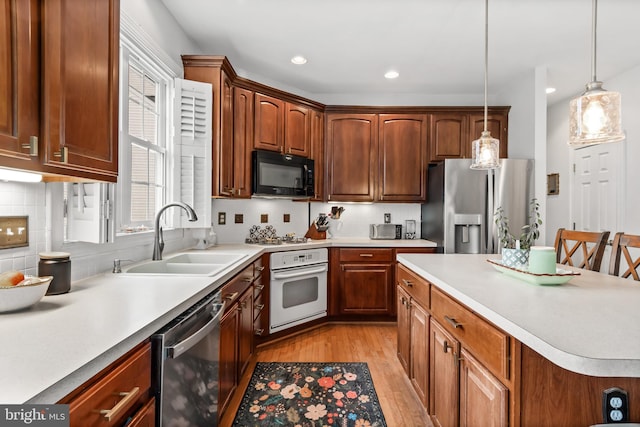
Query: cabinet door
pixel 402 157
pixel 444 351
pixel 317 152
pixel 496 124
pixel 484 401
pixel 80 86
pixel 448 136
pixel 420 352
pixel 245 330
pixel 19 84
pixel 145 417
pixel 269 123
pixel 228 375
pixel 225 163
pixel 366 289
pixel 404 329
pixel 297 130
pixel 242 141
pixel 351 164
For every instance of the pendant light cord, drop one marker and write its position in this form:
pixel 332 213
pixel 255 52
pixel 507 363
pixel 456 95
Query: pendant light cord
pixel 593 40
pixel 486 59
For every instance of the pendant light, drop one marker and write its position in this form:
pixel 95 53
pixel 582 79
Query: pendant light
pixel 485 150
pixel 595 117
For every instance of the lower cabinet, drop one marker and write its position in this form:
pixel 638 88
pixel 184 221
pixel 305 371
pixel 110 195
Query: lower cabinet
pixel 419 352
pixel 121 392
pixel 404 329
pixel 444 391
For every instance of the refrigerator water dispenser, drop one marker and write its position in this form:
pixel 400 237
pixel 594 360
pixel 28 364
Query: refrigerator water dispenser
pixel 467 233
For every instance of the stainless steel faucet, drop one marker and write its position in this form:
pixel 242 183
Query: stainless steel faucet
pixel 158 241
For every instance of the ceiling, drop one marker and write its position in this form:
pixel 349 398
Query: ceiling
pixel 437 46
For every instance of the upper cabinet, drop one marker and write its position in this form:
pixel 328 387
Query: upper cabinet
pixel 351 163
pixel 281 126
pixel 317 151
pixel 73 49
pixel 402 157
pixel 376 157
pixel 451 132
pixel 19 84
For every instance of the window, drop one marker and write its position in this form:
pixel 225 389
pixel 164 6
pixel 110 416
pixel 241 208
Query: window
pixel 144 139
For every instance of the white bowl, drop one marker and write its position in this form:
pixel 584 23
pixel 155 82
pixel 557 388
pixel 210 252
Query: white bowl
pixel 24 294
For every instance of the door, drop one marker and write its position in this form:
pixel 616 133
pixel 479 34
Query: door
pixel 297 130
pixel 443 371
pixel 269 123
pixel 596 191
pixel 242 141
pixel 404 331
pixel 365 289
pixel 225 153
pixel 402 157
pixel 448 136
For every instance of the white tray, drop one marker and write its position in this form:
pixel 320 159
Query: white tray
pixel 561 276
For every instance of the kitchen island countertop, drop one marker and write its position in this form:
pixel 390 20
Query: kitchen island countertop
pixel 589 325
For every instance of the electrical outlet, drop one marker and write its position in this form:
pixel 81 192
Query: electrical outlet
pixel 387 218
pixel 615 405
pixel 222 218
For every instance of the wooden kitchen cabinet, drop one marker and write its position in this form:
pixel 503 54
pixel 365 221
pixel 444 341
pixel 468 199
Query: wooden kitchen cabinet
pixel 317 152
pixel 402 157
pixel 245 330
pixel 364 282
pixel 351 157
pixel 420 352
pixel 260 298
pixel 451 132
pixel 80 51
pixel 59 68
pixel 282 126
pixel 19 84
pixel 403 311
pixel 228 363
pixel 444 386
pixel 120 391
pixel 231 163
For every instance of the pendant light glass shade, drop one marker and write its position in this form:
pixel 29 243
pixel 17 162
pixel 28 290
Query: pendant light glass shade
pixel 486 149
pixel 595 117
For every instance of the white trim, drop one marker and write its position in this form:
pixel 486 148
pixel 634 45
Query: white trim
pixel 140 40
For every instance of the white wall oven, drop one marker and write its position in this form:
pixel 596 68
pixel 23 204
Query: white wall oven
pixel 298 287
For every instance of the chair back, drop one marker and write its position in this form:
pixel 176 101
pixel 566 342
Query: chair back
pixel 622 255
pixel 582 249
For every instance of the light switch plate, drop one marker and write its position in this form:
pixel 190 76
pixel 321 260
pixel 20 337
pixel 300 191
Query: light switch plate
pixel 14 231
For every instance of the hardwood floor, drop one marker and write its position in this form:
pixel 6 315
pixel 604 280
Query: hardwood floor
pixel 363 342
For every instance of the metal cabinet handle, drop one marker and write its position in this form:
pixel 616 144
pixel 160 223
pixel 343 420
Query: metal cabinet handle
pixel 32 146
pixel 366 255
pixel 231 296
pixel 259 306
pixel 259 287
pixel 453 322
pixel 247 279
pixel 446 346
pixel 407 283
pixel 63 154
pixel 259 332
pixel 260 268
pixel 127 397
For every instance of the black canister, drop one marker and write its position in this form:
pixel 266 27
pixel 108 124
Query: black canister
pixel 58 265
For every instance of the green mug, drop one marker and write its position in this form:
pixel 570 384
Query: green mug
pixel 542 260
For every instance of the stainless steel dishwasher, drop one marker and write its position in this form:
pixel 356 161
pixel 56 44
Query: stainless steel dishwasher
pixel 185 365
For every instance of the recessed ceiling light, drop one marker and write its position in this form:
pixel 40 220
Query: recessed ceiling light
pixel 391 74
pixel 299 60
pixel 550 90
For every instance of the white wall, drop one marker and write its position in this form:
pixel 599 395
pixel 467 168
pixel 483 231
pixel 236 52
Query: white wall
pixel 558 154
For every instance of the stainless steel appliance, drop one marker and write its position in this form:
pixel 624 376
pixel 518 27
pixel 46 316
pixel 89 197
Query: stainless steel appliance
pixel 385 231
pixel 461 202
pixel 298 287
pixel 281 175
pixel 185 364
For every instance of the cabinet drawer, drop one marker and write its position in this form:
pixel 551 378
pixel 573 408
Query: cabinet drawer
pixel 117 395
pixel 415 286
pixel 236 286
pixel 366 255
pixel 258 306
pixel 258 286
pixel 487 343
pixel 258 268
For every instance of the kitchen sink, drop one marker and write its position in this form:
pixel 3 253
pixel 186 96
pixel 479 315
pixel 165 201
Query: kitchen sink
pixel 200 264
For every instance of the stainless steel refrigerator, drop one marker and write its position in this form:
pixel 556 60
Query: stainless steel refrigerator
pixel 461 203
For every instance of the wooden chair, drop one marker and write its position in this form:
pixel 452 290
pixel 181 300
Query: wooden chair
pixel 591 243
pixel 621 244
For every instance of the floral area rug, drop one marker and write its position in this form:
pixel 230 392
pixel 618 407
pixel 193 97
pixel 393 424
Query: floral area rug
pixel 310 394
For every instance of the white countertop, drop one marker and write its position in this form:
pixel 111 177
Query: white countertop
pixel 590 325
pixel 59 343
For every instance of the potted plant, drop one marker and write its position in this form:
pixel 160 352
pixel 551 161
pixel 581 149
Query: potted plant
pixel 515 250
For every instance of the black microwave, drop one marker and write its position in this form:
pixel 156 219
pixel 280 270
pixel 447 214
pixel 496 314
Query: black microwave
pixel 281 175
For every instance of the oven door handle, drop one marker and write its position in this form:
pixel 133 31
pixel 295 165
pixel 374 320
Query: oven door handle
pixel 299 273
pixel 179 348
